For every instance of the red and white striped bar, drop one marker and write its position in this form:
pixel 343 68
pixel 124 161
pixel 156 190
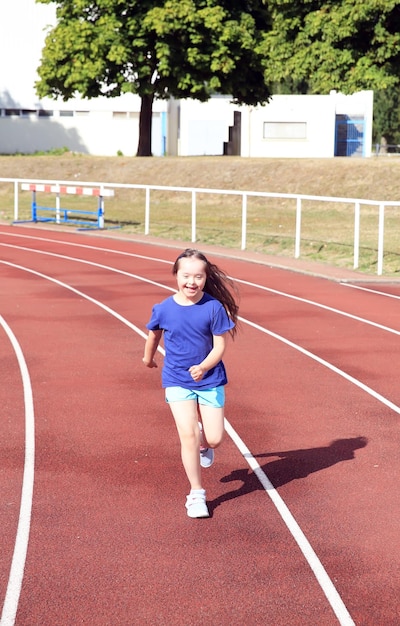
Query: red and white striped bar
pixel 67 189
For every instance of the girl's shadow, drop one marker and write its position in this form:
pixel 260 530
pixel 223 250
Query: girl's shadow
pixel 290 465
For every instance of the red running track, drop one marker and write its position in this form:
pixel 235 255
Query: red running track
pixel 304 492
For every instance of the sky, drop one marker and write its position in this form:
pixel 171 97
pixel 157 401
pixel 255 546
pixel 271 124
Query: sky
pixel 23 27
pixel 22 34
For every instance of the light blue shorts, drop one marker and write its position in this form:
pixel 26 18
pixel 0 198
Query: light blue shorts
pixel 214 397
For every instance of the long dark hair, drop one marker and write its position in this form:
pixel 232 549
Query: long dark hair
pixel 218 284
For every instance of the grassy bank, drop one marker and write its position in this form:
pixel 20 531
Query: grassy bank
pixel 327 229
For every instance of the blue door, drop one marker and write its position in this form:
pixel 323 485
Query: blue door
pixel 349 136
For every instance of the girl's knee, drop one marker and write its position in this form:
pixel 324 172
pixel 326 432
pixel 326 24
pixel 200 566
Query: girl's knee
pixel 189 438
pixel 215 439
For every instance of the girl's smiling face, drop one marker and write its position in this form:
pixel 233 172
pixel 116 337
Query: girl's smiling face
pixel 191 278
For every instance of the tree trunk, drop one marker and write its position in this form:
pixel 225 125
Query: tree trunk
pixel 145 121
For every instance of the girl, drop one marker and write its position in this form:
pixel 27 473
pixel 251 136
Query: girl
pixel 195 322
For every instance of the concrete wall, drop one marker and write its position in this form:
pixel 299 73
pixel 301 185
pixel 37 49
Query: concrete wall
pixel 312 117
pixel 202 128
pixel 102 133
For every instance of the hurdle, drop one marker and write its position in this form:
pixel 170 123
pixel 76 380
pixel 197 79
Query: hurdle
pixel 62 215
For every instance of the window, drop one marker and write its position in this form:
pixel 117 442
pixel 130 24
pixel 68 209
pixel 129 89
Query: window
pixel 44 113
pixel 66 113
pixel 285 130
pixel 125 115
pixel 28 112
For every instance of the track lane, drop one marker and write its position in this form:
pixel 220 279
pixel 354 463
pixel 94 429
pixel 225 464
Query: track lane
pixel 318 338
pixel 13 587
pixel 51 466
pixel 298 433
pixel 308 434
pixel 12 445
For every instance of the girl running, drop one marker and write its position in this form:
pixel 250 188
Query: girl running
pixel 195 322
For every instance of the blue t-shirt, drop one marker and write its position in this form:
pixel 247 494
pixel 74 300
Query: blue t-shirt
pixel 188 339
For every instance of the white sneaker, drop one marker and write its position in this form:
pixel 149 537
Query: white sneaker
pixel 206 457
pixel 196 504
pixel 206 454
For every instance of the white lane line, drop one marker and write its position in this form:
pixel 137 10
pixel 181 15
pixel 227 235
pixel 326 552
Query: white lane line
pixel 86 246
pixel 16 575
pixel 350 378
pixel 318 359
pixel 158 260
pixel 85 262
pixel 245 321
pixel 238 280
pixel 79 293
pixel 315 564
pixel 320 306
pixel 312 559
pixel 369 290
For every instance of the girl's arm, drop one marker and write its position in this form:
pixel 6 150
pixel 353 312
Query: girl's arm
pixel 197 371
pixel 150 348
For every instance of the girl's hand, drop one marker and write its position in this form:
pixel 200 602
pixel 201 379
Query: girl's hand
pixel 151 363
pixel 197 372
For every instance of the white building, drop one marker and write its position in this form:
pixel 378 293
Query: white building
pixel 288 126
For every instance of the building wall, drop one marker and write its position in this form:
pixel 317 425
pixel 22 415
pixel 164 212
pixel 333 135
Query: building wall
pixel 294 126
pixel 202 127
pixel 101 133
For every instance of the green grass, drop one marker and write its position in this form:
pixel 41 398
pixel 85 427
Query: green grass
pixel 327 228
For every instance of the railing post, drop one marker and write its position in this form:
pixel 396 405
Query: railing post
pixel 381 237
pixel 100 210
pixel 298 228
pixel 147 212
pixel 244 220
pixel 356 235
pixel 15 200
pixel 193 216
pixel 34 210
pixel 58 206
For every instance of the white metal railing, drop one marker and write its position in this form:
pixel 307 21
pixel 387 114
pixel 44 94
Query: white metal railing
pixel 298 198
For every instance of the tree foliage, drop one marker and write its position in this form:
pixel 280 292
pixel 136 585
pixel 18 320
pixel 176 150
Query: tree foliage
pixel 387 116
pixel 244 48
pixel 156 49
pixel 347 45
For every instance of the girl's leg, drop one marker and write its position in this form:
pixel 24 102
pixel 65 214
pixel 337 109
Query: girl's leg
pixel 213 425
pixel 185 415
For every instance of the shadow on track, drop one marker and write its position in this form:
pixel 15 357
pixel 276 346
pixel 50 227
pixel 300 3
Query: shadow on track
pixel 290 465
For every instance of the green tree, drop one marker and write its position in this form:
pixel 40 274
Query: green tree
pixel 156 49
pixel 386 128
pixel 346 45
